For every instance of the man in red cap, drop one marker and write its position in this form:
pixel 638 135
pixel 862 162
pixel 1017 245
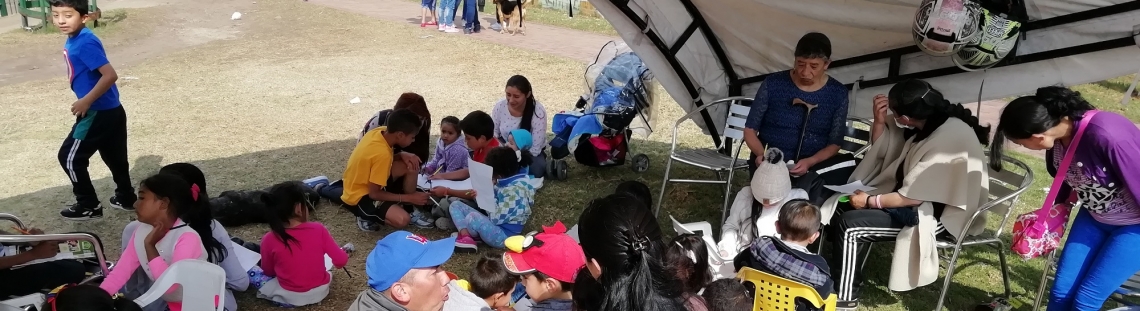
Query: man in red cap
pixel 547 262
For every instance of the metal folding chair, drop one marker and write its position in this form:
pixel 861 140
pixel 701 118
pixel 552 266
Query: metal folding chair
pixel 1005 187
pixel 711 158
pixel 22 238
pixel 857 138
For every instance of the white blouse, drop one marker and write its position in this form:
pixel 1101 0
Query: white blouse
pixel 505 123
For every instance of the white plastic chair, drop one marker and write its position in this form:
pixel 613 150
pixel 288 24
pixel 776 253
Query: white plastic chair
pixel 203 285
pixel 712 158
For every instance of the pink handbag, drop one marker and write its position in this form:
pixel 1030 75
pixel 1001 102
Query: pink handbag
pixel 1039 232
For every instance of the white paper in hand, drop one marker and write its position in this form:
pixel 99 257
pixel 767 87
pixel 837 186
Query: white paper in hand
pixel 851 187
pixel 482 182
pixel 246 257
pixel 424 183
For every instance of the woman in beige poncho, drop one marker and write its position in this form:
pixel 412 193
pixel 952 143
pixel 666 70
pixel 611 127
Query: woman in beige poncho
pixel 927 166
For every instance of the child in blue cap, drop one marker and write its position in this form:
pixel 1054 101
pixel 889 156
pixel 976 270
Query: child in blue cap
pixel 404 274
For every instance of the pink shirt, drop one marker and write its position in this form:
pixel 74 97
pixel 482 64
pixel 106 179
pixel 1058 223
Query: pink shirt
pixel 301 266
pixel 187 247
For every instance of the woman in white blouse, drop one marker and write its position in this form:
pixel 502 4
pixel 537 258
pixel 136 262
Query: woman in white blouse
pixel 519 110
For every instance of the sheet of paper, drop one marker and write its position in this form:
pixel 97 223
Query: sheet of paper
pixel 424 183
pixel 851 187
pixel 482 183
pixel 328 262
pixel 246 257
pixel 573 233
pixel 839 165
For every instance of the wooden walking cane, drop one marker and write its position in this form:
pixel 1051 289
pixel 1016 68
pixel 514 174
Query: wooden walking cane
pixel 803 131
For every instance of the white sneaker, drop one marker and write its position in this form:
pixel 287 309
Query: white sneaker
pixel 451 29
pixel 442 27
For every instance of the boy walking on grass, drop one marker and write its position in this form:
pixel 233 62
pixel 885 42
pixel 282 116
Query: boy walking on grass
pixel 100 121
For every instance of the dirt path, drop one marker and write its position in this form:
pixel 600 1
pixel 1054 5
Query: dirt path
pixel 151 28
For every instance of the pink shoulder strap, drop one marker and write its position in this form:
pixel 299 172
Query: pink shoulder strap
pixel 1063 168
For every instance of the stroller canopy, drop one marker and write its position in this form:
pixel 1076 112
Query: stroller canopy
pixel 702 50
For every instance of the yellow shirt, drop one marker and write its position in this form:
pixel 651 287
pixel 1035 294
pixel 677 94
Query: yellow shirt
pixel 370 163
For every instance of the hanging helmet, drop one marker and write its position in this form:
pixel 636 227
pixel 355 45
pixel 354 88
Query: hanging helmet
pixel 996 39
pixel 943 27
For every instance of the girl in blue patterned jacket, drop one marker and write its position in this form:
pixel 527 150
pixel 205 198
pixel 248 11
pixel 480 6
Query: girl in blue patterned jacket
pixel 514 195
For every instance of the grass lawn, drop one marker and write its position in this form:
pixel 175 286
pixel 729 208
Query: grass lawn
pixel 272 106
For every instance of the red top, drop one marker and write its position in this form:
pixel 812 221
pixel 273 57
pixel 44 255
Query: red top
pixel 301 267
pixel 479 155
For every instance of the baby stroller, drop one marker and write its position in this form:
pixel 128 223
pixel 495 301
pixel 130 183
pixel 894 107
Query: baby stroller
pixel 617 104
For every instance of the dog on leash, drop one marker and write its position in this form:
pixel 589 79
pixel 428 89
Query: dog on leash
pixel 511 14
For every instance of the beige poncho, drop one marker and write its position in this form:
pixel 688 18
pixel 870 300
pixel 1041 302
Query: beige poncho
pixel 948 167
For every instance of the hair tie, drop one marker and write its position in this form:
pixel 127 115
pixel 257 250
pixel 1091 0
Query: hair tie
pixel 640 243
pixel 518 155
pixel 194 191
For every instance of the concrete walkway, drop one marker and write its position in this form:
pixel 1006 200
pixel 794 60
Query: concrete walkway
pixel 580 45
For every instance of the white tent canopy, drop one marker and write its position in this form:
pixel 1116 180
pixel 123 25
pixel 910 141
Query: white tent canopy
pixel 702 50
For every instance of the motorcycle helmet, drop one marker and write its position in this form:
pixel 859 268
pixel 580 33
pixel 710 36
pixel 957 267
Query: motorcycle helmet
pixel 997 38
pixel 943 27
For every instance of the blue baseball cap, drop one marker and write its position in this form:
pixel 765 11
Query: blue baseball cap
pixel 400 252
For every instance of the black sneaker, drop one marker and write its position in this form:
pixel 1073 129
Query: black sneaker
pixel 123 205
pixel 847 305
pixel 75 212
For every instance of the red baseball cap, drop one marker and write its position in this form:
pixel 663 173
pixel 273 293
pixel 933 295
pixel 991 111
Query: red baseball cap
pixel 552 252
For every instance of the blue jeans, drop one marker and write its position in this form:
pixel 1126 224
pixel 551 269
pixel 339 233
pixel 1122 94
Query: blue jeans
pixel 470 14
pixel 1096 260
pixel 447 11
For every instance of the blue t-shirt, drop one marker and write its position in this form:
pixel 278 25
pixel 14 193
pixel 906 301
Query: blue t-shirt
pixel 779 123
pixel 84 53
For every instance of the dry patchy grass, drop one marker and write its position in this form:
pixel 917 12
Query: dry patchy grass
pixel 272 105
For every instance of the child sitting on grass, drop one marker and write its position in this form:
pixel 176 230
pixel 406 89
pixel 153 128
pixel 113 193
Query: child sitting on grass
pixel 548 262
pixel 450 155
pixel 450 152
pixel 86 298
pixel 491 287
pixel 292 271
pixel 688 257
pixel 514 196
pixel 788 256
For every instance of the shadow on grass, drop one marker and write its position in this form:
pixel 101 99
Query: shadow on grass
pixel 1118 86
pixel 976 281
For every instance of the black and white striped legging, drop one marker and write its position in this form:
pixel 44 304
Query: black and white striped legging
pixel 852 230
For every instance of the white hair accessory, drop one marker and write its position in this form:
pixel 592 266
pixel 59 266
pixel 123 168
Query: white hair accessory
pixel 518 155
pixel 688 252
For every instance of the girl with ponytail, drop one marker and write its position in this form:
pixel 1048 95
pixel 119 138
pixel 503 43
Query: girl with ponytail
pixel 1105 176
pixel 236 277
pixel 519 110
pixel 927 165
pixel 292 271
pixel 172 229
pixel 623 247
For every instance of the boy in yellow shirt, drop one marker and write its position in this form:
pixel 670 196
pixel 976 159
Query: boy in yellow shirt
pixel 365 189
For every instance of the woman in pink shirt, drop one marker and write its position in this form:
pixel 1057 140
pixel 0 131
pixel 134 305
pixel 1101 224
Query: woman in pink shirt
pixel 172 229
pixel 293 271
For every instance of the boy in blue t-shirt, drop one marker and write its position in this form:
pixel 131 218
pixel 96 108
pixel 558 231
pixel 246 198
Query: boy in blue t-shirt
pixel 100 121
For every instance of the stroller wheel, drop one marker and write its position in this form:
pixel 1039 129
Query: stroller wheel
pixel 561 170
pixel 640 163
